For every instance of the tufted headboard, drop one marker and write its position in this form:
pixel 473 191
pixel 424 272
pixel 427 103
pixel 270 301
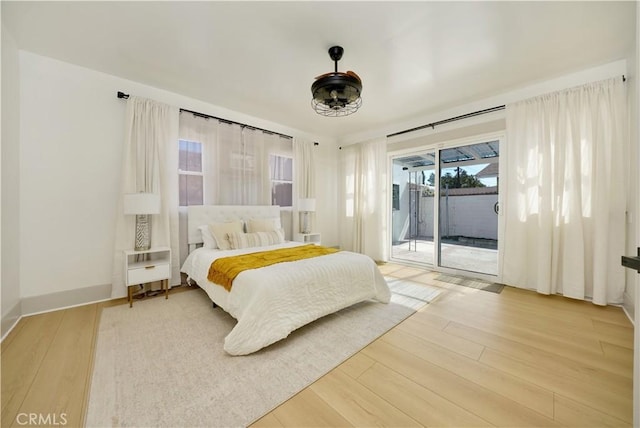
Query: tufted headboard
pixel 198 215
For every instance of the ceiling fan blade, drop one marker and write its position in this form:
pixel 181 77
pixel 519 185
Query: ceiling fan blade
pixel 353 74
pixel 323 75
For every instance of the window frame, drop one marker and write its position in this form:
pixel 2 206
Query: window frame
pixel 272 181
pixel 190 172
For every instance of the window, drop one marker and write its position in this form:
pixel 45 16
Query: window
pixel 281 174
pixel 190 179
pixel 396 197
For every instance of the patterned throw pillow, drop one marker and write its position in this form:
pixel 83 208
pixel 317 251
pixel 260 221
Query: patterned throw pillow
pixel 257 239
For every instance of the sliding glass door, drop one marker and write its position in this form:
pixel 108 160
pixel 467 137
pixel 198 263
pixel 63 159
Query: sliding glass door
pixel 413 208
pixel 468 220
pixel 445 207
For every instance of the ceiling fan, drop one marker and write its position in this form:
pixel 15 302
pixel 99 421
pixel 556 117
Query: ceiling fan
pixel 336 93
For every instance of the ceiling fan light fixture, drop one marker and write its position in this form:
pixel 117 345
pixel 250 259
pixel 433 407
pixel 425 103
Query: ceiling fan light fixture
pixel 336 93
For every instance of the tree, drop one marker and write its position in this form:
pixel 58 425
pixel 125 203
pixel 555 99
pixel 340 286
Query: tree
pixel 461 179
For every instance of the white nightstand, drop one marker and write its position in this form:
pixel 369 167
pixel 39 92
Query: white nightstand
pixel 142 267
pixel 308 238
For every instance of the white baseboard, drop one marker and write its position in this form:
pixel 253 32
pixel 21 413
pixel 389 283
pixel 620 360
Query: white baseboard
pixel 628 305
pixel 10 319
pixel 65 299
pixel 53 302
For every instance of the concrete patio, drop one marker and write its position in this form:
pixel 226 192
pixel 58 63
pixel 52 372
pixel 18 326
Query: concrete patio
pixel 455 256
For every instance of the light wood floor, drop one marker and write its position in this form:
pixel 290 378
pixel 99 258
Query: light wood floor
pixel 474 358
pixel 471 358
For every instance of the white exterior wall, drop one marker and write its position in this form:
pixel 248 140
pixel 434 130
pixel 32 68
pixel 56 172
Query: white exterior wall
pixel 400 217
pixel 470 216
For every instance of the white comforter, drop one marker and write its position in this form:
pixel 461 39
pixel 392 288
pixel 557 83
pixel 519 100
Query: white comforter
pixel 271 302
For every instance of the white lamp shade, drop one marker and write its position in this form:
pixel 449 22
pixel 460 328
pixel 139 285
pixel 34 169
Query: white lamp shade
pixel 307 205
pixel 141 203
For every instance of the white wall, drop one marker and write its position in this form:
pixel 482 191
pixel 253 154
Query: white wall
pixel 10 183
pixel 636 219
pixel 71 128
pixel 71 131
pixel 633 199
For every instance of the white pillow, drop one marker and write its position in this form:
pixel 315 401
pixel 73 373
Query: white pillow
pixel 258 239
pixel 263 224
pixel 221 231
pixel 207 238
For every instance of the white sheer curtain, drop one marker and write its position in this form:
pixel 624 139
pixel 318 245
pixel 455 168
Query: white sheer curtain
pixel 304 183
pixel 205 132
pixel 565 192
pixel 364 192
pixel 149 164
pixel 278 166
pixel 242 166
pixel 235 159
pixel 304 167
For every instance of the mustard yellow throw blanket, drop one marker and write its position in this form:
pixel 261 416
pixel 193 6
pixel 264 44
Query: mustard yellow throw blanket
pixel 225 269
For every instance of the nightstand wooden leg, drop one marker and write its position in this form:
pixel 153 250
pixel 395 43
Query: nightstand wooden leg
pixel 166 290
pixel 130 296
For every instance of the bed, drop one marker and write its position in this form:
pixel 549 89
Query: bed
pixel 270 302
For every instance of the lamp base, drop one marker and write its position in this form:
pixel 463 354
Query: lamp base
pixel 306 224
pixel 143 232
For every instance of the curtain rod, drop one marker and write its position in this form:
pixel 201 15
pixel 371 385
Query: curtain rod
pixel 453 119
pixel 230 122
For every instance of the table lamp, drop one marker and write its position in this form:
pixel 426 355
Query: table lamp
pixel 142 205
pixel 305 206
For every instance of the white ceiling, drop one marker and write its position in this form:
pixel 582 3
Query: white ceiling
pixel 260 58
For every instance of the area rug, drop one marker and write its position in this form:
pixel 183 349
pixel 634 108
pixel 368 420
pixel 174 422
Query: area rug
pixel 471 283
pixel 410 293
pixel 161 363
